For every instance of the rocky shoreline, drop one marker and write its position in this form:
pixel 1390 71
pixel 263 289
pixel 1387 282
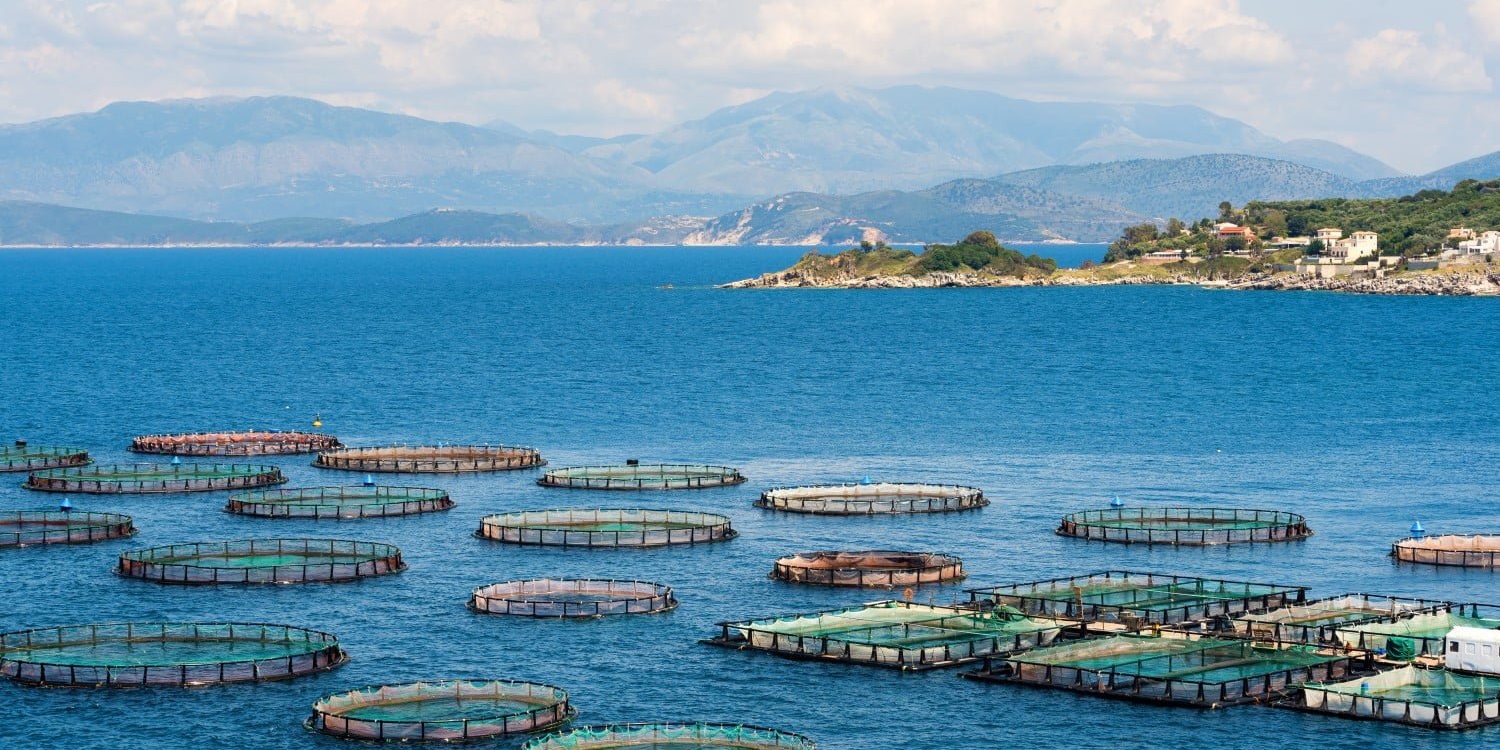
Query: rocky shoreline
pixel 1484 282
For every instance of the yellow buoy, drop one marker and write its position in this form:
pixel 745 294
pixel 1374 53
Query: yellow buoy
pixel 318 421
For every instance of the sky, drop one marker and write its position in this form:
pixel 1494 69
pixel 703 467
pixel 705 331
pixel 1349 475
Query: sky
pixel 1411 82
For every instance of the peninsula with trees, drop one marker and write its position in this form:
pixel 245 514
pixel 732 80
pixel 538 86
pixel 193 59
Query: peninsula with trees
pixel 1432 242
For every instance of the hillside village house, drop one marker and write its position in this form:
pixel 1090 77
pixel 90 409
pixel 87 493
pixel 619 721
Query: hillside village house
pixel 1485 243
pixel 1343 256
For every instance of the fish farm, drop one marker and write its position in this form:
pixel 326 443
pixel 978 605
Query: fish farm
pixel 700 735
pixel 262 561
pixel 1417 634
pixel 572 597
pixel 869 499
pixel 606 528
pixel 441 711
pixel 24 457
pixel 869 568
pixel 902 635
pixel 429 459
pixel 1318 621
pixel 1138 599
pixel 355 501
pixel 1459 550
pixel 180 654
pixel 251 443
pixel 1432 698
pixel 19 528
pixel 1205 672
pixel 1185 526
pixel 144 479
pixel 633 476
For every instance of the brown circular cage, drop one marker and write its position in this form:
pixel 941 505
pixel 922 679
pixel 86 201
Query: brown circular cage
pixel 262 561
pixel 431 459
pixel 873 498
pixel 1456 550
pixel 25 457
pixel 248 443
pixel 572 597
pixel 141 479
pixel 19 528
pixel 887 568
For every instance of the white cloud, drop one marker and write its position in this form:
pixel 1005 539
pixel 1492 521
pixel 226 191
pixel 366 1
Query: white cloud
pixel 1406 59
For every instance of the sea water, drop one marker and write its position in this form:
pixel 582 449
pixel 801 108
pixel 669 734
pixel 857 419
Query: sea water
pixel 1363 413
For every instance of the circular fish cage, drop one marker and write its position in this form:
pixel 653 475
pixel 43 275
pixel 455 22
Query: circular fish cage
pixel 1185 526
pixel 1457 550
pixel 19 528
pixel 24 457
pixel 356 501
pixel 572 597
pixel 262 561
pixel 638 477
pixel 665 735
pixel 428 459
pixel 441 711
pixel 143 479
pixel 250 443
pixel 869 499
pixel 868 568
pixel 606 528
pixel 180 654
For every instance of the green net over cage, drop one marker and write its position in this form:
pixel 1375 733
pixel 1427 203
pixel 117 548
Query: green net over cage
pixel 431 459
pixel 606 527
pixel 1185 526
pixel 674 736
pixel 1435 698
pixel 1456 550
pixel 24 457
pixel 355 501
pixel 130 654
pixel 262 561
pixel 441 711
pixel 1128 597
pixel 1424 630
pixel 248 443
pixel 127 479
pixel 872 498
pixel 1316 621
pixel 642 477
pixel 24 527
pixel 886 568
pixel 572 597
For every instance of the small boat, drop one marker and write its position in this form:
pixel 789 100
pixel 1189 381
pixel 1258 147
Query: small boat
pixel 665 286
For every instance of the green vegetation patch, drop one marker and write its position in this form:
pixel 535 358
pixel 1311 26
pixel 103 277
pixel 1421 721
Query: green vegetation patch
pixel 978 252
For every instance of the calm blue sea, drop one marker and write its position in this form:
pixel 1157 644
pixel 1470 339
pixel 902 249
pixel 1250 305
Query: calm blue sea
pixel 1364 413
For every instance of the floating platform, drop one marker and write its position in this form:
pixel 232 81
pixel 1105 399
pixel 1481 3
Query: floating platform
pixel 1202 672
pixel 606 528
pixel 441 711
pixel 250 443
pixel 145 479
pixel 572 597
pixel 1433 698
pixel 901 635
pixel 868 568
pixel 262 561
pixel 1319 620
pixel 638 477
pixel 872 499
pixel 1420 633
pixel 1457 550
pixel 1185 526
pixel 19 528
pixel 355 501
pixel 180 654
pixel 428 459
pixel 24 457
pixel 667 735
pixel 1137 599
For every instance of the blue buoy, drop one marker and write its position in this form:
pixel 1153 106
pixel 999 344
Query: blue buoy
pixel 1417 530
pixel 1117 502
pixel 177 460
pixel 66 506
pixel 369 481
pixel 864 480
pixel 1364 687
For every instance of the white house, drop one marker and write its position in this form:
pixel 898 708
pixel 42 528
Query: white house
pixel 1340 249
pixel 1483 244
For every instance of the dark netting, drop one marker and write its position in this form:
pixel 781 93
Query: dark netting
pixel 23 527
pixel 441 711
pixel 251 443
pixel 1138 599
pixel 1433 698
pixel 24 457
pixel 638 477
pixel 1317 621
pixel 262 561
pixel 699 735
pixel 868 568
pixel 429 459
pixel 572 597
pixel 1458 550
pixel 872 498
pixel 356 501
pixel 1190 526
pixel 606 528
pixel 130 654
pixel 154 478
